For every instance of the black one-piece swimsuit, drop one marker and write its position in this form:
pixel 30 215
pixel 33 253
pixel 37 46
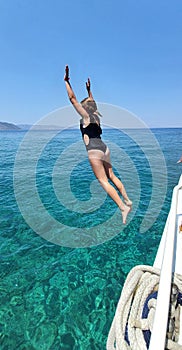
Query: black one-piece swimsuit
pixel 93 131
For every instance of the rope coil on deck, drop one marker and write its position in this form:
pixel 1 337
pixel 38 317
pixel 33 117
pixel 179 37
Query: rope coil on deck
pixel 133 320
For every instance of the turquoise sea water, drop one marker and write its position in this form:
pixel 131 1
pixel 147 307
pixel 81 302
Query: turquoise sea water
pixel 58 296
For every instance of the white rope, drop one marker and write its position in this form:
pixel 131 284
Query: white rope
pixel 140 283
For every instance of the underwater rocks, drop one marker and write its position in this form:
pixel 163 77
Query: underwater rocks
pixel 58 302
pixel 43 336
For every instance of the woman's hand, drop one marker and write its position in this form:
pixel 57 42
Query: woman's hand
pixel 88 86
pixel 66 77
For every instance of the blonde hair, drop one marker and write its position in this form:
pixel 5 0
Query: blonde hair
pixel 90 106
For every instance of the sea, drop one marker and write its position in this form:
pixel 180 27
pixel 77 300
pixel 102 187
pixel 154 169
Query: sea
pixel 64 252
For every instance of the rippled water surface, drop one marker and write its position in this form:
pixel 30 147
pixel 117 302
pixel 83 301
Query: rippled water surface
pixel 63 296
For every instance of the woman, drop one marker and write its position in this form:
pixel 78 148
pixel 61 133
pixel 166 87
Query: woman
pixel 98 152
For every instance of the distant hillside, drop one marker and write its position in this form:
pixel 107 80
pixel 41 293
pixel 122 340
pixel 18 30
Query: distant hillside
pixel 26 127
pixel 8 126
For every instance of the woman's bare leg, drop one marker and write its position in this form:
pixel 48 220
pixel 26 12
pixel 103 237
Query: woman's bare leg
pixel 110 174
pixel 96 161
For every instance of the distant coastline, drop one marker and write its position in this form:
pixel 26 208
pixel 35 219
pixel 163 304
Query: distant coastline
pixel 8 126
pixel 5 126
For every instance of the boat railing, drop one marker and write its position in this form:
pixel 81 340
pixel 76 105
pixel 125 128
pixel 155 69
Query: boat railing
pixel 158 336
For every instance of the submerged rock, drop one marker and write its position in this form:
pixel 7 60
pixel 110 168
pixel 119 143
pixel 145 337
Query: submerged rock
pixel 43 336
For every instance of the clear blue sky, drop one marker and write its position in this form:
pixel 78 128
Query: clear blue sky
pixel 131 50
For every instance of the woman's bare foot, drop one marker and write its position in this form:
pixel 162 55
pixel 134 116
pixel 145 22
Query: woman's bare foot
pixel 125 211
pixel 128 202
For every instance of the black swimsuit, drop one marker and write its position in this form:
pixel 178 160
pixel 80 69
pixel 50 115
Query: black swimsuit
pixel 93 131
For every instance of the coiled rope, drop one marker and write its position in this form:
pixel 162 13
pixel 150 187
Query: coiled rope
pixel 132 324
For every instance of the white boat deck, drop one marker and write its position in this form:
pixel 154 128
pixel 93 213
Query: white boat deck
pixel 169 260
pixel 177 212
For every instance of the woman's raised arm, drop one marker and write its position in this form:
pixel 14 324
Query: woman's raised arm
pixel 72 96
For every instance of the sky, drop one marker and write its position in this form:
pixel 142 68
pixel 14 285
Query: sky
pixel 131 50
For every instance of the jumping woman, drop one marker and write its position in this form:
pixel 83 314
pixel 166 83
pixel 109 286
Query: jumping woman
pixel 98 152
